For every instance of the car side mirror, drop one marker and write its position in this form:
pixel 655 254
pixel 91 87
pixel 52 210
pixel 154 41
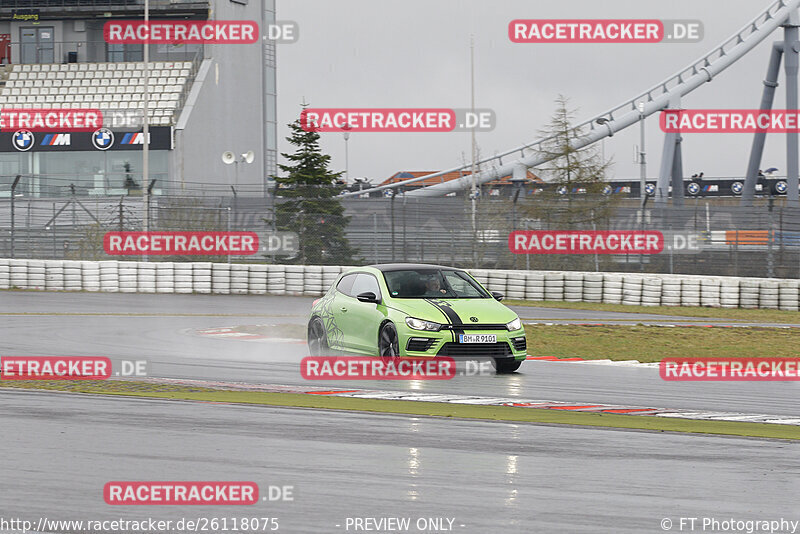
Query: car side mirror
pixel 497 296
pixel 368 296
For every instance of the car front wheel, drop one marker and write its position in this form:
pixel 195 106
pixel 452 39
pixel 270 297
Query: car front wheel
pixel 317 338
pixel 388 343
pixel 506 365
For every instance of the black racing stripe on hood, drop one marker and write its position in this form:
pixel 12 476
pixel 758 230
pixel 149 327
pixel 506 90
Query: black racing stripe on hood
pixel 451 314
pixel 447 317
pixel 445 308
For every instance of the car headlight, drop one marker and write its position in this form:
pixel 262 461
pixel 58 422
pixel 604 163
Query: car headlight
pixel 516 324
pixel 419 324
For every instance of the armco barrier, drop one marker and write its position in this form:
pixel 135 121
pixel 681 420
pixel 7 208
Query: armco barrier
pixel 223 278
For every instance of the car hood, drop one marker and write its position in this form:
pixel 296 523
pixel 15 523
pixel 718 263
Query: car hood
pixel 487 311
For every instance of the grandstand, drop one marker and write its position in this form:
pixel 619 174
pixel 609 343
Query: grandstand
pixel 203 99
pixel 99 85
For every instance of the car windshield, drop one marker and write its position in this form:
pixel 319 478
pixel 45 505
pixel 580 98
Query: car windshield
pixel 433 283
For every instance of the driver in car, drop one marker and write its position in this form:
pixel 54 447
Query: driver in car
pixel 433 285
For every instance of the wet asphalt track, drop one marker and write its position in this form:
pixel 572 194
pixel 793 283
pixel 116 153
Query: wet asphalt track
pixel 164 332
pixel 59 450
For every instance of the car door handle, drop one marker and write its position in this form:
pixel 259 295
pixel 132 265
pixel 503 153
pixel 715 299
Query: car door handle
pixel 343 309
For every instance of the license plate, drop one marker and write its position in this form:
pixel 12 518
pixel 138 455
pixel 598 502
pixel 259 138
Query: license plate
pixel 477 338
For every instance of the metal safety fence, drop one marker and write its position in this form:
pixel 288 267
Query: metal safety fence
pixel 758 241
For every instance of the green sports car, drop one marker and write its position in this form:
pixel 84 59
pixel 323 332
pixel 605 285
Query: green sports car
pixel 415 310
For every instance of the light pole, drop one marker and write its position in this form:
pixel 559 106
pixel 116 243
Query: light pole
pixel 13 194
pixel 642 160
pixel 601 121
pixel 150 192
pixel 146 128
pixel 473 194
pixel 346 134
pixel 517 187
pixel 229 157
pixel 643 174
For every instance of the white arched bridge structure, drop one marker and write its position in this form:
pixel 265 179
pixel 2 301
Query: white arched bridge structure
pixel 780 14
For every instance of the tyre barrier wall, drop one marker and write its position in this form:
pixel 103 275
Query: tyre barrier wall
pixel 644 289
pixel 313 280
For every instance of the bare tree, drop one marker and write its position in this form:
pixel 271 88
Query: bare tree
pixel 576 195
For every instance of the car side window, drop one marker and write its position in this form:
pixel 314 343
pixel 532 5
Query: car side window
pixel 365 282
pixel 346 283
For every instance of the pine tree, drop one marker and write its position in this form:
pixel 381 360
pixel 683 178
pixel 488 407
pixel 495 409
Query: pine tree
pixel 308 206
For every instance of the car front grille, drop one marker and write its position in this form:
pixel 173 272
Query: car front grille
pixel 520 343
pixel 474 326
pixel 420 344
pixel 476 350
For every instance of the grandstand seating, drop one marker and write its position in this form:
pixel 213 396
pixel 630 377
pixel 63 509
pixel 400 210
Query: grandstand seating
pixel 99 85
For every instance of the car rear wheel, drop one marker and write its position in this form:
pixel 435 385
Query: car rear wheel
pixel 317 338
pixel 506 365
pixel 388 348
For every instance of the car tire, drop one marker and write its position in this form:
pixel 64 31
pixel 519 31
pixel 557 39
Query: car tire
pixel 317 338
pixel 388 344
pixel 506 365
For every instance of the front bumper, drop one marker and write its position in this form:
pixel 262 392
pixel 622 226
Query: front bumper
pixel 418 343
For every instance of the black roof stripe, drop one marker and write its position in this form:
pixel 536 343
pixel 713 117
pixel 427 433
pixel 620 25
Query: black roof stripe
pixel 411 266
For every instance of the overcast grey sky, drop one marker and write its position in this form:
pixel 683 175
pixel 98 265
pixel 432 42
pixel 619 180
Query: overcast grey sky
pixel 415 53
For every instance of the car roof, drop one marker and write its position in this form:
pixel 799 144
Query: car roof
pixel 384 267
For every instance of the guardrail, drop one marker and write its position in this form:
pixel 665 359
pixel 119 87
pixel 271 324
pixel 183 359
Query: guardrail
pixel 314 280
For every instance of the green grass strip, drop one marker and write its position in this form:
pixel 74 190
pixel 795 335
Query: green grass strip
pixel 738 314
pixel 653 343
pixel 437 409
pixel 126 314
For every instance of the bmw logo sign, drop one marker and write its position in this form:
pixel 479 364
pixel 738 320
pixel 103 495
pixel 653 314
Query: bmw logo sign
pixel 562 190
pixel 737 187
pixel 607 190
pixel 102 139
pixel 650 189
pixel 23 140
pixel 780 187
pixel 693 188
